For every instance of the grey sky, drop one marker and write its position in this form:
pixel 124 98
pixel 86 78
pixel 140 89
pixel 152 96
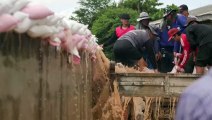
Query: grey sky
pixel 70 5
pixel 192 4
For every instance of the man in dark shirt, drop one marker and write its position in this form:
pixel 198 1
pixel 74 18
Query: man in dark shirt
pixel 128 49
pixel 200 37
pixel 165 64
pixel 143 24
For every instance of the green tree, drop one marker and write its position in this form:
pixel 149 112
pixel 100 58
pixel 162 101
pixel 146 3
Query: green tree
pixel 172 6
pixel 104 26
pixel 86 14
pixel 149 6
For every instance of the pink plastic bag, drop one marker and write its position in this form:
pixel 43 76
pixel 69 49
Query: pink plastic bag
pixel 54 41
pixel 7 22
pixel 75 59
pixel 37 11
pixel 80 41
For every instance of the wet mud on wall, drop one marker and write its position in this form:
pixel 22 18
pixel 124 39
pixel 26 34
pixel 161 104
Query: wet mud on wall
pixel 38 83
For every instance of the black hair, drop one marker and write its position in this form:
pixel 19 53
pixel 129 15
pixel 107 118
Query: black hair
pixel 183 7
pixel 124 16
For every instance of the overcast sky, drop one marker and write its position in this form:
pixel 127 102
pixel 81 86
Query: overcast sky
pixel 71 5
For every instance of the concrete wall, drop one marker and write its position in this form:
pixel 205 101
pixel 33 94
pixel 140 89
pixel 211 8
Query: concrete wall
pixel 37 82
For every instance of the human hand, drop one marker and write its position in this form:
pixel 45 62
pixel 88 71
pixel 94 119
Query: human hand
pixel 194 58
pixel 176 62
pixel 178 55
pixel 156 70
pixel 179 69
pixel 158 56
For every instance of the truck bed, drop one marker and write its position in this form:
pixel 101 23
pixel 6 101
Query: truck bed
pixel 152 84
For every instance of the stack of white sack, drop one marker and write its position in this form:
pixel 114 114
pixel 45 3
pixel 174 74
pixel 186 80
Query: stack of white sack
pixel 24 16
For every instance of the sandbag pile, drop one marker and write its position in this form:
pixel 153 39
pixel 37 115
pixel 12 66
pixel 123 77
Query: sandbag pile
pixel 38 21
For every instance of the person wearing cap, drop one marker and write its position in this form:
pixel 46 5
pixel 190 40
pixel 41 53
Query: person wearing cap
pixel 175 34
pixel 143 24
pixel 192 20
pixel 143 21
pixel 190 65
pixel 128 49
pixel 200 37
pixel 120 30
pixel 165 64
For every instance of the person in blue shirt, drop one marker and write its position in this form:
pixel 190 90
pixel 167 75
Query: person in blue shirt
pixel 165 64
pixel 182 16
pixel 181 20
pixel 168 49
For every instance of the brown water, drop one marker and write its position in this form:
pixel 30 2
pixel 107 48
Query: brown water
pixel 138 108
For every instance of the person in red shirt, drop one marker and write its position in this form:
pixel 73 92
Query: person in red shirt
pixel 183 57
pixel 120 30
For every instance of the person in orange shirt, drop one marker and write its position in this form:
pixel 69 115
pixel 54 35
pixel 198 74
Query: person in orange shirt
pixel 120 30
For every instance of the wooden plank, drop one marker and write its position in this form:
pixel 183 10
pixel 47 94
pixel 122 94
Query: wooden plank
pixel 149 84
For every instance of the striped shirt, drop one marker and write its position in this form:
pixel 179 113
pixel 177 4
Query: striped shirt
pixel 196 101
pixel 186 51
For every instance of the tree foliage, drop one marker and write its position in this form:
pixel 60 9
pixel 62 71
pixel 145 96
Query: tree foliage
pixel 149 6
pixel 172 6
pixel 88 10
